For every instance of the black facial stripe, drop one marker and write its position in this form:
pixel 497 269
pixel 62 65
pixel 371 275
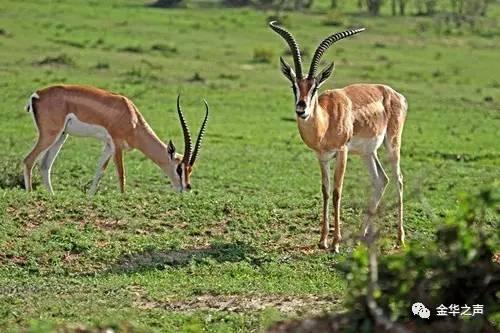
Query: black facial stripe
pixel 294 88
pixel 179 170
pixel 313 92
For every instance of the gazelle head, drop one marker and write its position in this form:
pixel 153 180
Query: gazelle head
pixel 181 166
pixel 306 89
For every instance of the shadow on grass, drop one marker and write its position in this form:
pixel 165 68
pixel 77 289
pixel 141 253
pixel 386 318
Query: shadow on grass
pixel 12 181
pixel 160 259
pixel 11 176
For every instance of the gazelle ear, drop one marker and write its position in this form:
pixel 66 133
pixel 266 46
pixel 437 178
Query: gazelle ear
pixel 287 70
pixel 171 149
pixel 325 74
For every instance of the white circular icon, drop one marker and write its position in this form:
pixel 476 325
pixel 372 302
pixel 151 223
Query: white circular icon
pixel 420 310
pixel 424 313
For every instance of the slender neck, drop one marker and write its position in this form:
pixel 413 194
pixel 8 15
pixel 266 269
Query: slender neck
pixel 151 146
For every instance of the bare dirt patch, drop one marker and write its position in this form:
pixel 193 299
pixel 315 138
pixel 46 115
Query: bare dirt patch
pixel 305 304
pixel 107 224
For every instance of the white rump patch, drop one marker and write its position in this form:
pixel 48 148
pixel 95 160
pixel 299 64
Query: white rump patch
pixel 29 106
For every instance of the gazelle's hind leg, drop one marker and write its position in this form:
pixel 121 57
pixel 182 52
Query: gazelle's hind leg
pixel 324 163
pixel 48 160
pixel 101 166
pixel 399 108
pixel 393 149
pixel 43 143
pixel 379 181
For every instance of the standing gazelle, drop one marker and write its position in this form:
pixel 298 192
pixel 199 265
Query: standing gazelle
pixel 83 111
pixel 357 118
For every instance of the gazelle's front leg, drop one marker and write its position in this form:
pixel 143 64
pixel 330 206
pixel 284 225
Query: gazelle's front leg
pixel 119 167
pixel 324 162
pixel 340 167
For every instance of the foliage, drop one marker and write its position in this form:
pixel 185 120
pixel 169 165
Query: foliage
pixel 459 268
pixel 334 18
pixel 236 3
pixel 374 6
pixel 167 3
pixel 263 55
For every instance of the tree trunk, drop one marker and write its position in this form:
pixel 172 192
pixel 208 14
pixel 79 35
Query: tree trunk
pixel 393 7
pixel 418 7
pixel 308 4
pixel 430 7
pixel 460 7
pixel 402 7
pixel 484 8
pixel 374 6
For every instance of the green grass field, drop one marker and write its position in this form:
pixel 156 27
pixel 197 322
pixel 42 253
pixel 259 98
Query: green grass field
pixel 239 251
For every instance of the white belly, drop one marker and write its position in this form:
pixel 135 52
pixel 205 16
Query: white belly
pixel 79 128
pixel 365 145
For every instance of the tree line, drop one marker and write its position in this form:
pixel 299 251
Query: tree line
pixel 459 8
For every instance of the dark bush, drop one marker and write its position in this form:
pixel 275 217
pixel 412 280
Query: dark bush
pixel 236 3
pixel 167 3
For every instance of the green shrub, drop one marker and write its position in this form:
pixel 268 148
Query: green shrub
pixel 334 18
pixel 456 269
pixel 164 48
pixel 263 55
pixel 167 3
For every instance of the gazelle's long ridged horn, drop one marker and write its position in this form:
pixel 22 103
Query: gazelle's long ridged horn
pixel 294 47
pixel 197 146
pixel 325 44
pixel 185 131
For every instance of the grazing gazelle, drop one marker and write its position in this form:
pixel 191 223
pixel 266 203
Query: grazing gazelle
pixel 63 110
pixel 356 118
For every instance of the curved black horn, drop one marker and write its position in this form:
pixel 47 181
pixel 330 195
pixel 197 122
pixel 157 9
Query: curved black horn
pixel 185 131
pixel 197 146
pixel 325 44
pixel 294 47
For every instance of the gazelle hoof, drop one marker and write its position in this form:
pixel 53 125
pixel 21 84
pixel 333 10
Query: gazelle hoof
pixel 323 245
pixel 336 248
